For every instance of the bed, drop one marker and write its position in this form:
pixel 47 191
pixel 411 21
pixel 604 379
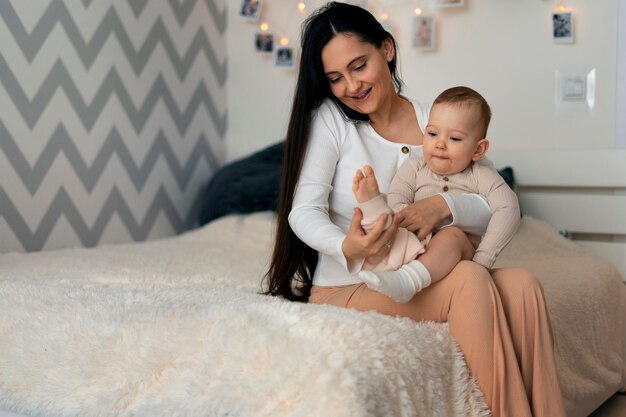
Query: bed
pixel 178 326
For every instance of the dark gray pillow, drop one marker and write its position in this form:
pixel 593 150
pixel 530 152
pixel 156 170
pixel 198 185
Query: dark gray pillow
pixel 509 178
pixel 244 186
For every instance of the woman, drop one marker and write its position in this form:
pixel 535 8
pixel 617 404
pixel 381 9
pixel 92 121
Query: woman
pixel 348 112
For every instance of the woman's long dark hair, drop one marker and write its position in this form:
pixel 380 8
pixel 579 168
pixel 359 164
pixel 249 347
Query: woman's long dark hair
pixel 293 262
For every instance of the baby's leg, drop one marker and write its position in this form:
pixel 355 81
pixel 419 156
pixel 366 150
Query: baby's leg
pixel 446 248
pixel 364 184
pixel 401 284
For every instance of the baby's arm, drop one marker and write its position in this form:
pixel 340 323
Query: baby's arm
pixel 403 185
pixel 505 219
pixel 470 212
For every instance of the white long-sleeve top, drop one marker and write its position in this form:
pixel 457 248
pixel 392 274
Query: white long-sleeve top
pixel 323 204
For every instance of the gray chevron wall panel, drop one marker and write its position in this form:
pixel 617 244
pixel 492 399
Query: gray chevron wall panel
pixel 112 118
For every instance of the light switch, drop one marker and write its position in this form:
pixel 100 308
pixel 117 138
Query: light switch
pixel 576 87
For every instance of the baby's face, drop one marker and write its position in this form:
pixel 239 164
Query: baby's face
pixel 452 137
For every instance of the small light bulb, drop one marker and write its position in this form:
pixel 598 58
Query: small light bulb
pixel 384 17
pixel 284 41
pixel 264 27
pixel 301 7
pixel 418 11
pixel 561 8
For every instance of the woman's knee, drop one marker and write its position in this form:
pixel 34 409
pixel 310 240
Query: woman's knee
pixel 472 275
pixel 515 282
pixel 474 291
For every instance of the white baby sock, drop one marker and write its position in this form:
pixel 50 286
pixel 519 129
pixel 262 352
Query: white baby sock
pixel 402 284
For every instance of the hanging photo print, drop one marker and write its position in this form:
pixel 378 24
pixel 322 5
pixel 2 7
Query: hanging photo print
pixel 250 9
pixel 438 4
pixel 285 57
pixel 424 32
pixel 264 42
pixel 562 27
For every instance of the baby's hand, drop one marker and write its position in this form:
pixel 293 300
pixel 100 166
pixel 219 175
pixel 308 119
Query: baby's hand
pixel 364 184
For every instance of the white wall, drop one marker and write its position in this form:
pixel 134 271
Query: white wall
pixel 620 134
pixel 502 48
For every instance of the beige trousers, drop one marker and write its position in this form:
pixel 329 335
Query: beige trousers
pixel 500 322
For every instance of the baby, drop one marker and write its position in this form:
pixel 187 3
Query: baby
pixel 454 142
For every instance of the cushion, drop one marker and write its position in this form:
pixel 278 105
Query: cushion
pixel 252 184
pixel 244 186
pixel 509 178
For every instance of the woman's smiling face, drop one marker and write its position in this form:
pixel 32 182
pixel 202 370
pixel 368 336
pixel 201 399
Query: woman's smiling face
pixel 358 72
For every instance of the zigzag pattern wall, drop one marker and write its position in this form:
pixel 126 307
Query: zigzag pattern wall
pixel 112 118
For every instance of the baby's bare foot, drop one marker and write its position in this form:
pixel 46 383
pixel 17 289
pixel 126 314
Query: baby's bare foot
pixel 364 184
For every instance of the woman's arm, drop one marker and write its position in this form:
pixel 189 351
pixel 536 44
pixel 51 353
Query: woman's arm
pixel 373 245
pixel 309 217
pixel 469 212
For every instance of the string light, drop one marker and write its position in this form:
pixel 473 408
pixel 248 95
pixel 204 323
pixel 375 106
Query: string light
pixel 561 8
pixel 301 6
pixel 383 16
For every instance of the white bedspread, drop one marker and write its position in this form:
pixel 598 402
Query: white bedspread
pixel 586 299
pixel 177 327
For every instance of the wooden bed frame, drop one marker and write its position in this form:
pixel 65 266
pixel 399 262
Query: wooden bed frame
pixel 580 192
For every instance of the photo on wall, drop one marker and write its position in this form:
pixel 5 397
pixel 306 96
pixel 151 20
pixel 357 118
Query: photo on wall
pixel 264 42
pixel 285 57
pixel 438 4
pixel 424 32
pixel 563 27
pixel 250 9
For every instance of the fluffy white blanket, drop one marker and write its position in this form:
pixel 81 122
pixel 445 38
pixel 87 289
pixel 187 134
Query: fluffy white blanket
pixel 176 327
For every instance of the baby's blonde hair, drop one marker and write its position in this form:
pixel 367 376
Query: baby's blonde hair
pixel 466 96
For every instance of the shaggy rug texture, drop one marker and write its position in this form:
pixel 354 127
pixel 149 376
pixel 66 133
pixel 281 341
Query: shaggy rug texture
pixel 177 327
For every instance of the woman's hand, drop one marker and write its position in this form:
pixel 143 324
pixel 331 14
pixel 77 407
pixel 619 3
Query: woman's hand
pixel 373 246
pixel 423 216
